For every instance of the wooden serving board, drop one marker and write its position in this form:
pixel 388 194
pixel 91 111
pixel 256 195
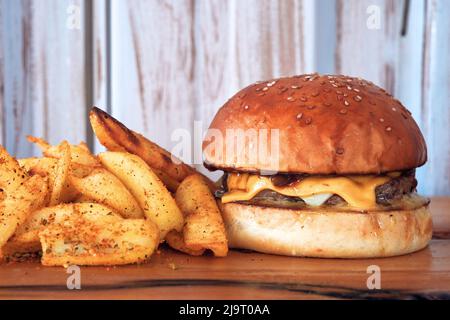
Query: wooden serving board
pixel 247 275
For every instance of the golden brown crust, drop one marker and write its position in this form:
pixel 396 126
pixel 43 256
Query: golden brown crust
pixel 327 234
pixel 328 125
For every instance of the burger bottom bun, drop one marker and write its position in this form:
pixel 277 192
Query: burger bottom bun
pixel 327 234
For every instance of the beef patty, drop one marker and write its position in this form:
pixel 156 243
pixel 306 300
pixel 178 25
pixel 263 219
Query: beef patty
pixel 390 191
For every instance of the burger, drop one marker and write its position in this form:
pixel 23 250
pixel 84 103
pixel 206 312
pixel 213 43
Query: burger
pixel 336 178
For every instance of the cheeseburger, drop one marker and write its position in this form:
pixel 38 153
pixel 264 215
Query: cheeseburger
pixel 337 179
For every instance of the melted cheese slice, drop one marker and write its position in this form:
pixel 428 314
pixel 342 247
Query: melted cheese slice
pixel 358 191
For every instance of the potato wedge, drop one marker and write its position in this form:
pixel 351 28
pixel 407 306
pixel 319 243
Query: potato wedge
pixel 79 153
pixel 41 166
pixel 61 178
pixel 101 186
pixel 170 183
pixel 84 241
pixel 117 137
pixel 204 227
pixel 176 241
pixel 47 167
pixel 11 174
pixel 151 194
pixel 18 205
pixel 20 195
pixel 26 237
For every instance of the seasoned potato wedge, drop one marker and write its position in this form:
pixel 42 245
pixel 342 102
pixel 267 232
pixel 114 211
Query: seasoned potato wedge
pixel 85 241
pixel 20 195
pixel 61 178
pixel 26 236
pixel 47 168
pixel 116 137
pixel 101 186
pixel 79 153
pixel 175 240
pixel 204 227
pixel 151 194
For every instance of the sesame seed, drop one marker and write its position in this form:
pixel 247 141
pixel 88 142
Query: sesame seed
pixel 394 109
pixel 295 87
pixel 345 95
pixel 304 99
pixel 349 88
pixel 315 94
pixel 335 85
pixel 258 89
pixel 355 89
pixel 388 129
pixel 246 107
pixel 357 98
pixel 346 103
pixel 299 116
pixel 343 111
pixel 340 150
pixel 338 91
pixel 271 83
pixel 265 89
pixel 261 94
pixel 327 104
pixel 283 90
pixel 308 120
pixel 381 120
pixel 242 95
pixel 290 98
pixel 311 107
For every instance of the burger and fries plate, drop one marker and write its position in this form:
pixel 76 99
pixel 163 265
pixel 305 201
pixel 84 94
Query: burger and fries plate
pixel 346 187
pixel 114 208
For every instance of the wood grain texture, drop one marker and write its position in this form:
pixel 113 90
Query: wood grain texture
pixel 363 48
pixel 153 56
pixel 435 110
pixel 247 275
pixel 228 59
pixel 101 80
pixel 242 275
pixel 43 72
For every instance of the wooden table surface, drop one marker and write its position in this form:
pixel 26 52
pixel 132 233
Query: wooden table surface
pixel 246 275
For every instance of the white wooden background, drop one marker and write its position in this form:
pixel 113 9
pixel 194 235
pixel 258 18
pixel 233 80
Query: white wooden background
pixel 161 65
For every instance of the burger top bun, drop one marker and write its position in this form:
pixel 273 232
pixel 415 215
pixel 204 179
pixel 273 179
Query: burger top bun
pixel 327 124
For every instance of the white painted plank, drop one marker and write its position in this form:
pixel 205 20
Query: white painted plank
pixel 153 66
pixel 409 74
pixel 100 61
pixel 367 38
pixel 436 97
pixel 43 68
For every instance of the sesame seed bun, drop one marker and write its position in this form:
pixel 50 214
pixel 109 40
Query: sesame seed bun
pixel 327 125
pixel 327 234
